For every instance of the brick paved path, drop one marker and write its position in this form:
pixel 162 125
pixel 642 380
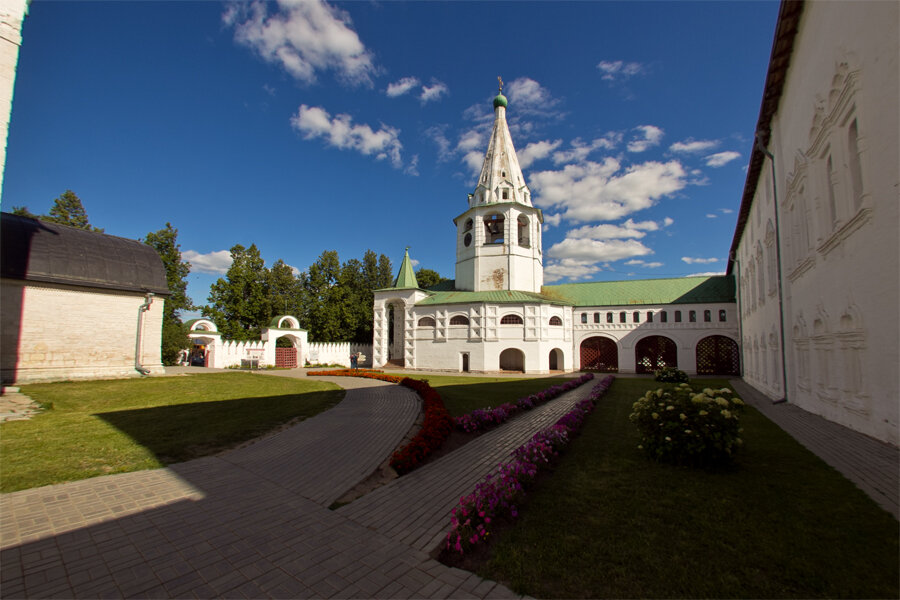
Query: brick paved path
pixel 872 465
pixel 254 522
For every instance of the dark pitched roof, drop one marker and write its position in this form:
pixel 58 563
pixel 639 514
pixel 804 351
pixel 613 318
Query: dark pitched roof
pixel 34 250
pixel 779 61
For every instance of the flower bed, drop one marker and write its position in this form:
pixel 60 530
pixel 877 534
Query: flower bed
pixel 435 430
pixel 495 496
pixel 486 418
pixel 368 374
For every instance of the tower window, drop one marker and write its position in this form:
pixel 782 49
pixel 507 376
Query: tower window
pixel 467 240
pixel 523 231
pixel 468 225
pixel 506 194
pixel 493 229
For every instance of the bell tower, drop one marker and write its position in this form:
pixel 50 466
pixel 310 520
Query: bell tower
pixel 498 239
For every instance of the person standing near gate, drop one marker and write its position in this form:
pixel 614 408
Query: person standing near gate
pixel 354 361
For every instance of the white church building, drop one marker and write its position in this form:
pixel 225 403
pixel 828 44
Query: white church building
pixel 498 316
pixel 808 310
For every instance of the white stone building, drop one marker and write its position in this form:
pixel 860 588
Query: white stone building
pixel 497 315
pixel 77 304
pixel 816 248
pixel 12 14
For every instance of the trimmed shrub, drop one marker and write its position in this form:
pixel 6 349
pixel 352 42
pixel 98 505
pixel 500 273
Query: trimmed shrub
pixel 681 426
pixel 436 428
pixel 671 375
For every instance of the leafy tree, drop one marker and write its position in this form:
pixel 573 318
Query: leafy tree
pixel 68 210
pixel 285 291
pixel 23 211
pixel 239 303
pixel 325 298
pixel 174 333
pixel 428 278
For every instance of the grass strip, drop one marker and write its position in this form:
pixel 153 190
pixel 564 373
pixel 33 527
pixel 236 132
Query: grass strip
pixel 610 523
pixel 96 428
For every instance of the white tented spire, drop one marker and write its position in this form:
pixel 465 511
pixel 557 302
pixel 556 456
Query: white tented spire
pixel 501 178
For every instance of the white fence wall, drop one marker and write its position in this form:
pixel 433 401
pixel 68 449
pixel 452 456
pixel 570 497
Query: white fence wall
pixel 338 353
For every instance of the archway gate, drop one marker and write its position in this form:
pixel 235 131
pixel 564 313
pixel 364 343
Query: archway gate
pixel 718 355
pixel 599 354
pixel 655 352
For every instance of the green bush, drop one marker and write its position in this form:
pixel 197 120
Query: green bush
pixel 682 426
pixel 671 375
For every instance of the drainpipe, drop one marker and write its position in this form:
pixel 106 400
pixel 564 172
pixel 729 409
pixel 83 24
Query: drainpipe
pixel 140 335
pixel 764 150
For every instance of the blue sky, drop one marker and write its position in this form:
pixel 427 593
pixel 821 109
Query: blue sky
pixel 304 127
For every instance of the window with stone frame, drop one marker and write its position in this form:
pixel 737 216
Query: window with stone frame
pixel 609 317
pixel 678 316
pixel 523 227
pixel 622 317
pixel 511 320
pixel 692 316
pixel 459 320
pixel 426 322
pixel 596 317
pixel 663 316
pixel 555 321
pixel 493 229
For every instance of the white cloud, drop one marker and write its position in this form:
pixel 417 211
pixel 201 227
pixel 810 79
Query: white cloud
pixel 706 274
pixel 398 88
pixel 720 159
pixel 414 262
pixel 437 134
pixel 303 37
pixel 691 145
pixel 668 221
pixel 536 151
pixel 433 91
pixel 470 140
pixel 602 192
pixel 413 167
pixel 726 211
pixel 580 150
pixel 644 264
pixel 699 261
pixel 606 231
pixel 529 97
pixel 650 136
pixel 212 262
pixel 552 221
pixel 615 70
pixel 568 269
pixel 340 132
pixel 594 251
pixel 474 160
pixel 712 216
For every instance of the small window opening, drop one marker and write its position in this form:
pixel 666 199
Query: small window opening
pixel 609 317
pixel 511 320
pixel 722 315
pixel 426 322
pixel 663 317
pixel 622 317
pixel 707 316
pixel 493 229
pixel 692 316
pixel 636 317
pixel 596 317
pixel 678 316
pixel 459 320
pixel 649 316
pixel 555 321
pixel 584 317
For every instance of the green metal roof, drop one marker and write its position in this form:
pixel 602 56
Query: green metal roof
pixel 406 278
pixel 493 297
pixel 681 290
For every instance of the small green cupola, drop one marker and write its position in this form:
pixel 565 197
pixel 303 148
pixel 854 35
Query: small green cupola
pixel 406 278
pixel 500 100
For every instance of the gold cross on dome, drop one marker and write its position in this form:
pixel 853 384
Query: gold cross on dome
pixel 500 79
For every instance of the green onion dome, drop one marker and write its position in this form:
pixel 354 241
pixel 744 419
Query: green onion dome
pixel 500 100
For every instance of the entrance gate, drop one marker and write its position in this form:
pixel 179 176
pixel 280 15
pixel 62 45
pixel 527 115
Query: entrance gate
pixel 718 355
pixel 654 353
pixel 286 358
pixel 599 354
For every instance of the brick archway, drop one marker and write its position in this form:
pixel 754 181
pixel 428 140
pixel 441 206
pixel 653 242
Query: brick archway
pixel 655 352
pixel 718 355
pixel 599 354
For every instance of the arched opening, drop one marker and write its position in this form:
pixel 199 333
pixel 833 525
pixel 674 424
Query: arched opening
pixel 426 322
pixel 493 229
pixel 555 321
pixel 718 355
pixel 556 360
pixel 512 359
pixel 655 352
pixel 459 320
pixel 286 352
pixel 599 354
pixel 511 320
pixel 523 230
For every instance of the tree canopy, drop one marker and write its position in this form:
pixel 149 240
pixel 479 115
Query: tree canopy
pixel 332 301
pixel 67 209
pixel 174 333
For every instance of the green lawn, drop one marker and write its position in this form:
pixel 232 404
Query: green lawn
pixel 608 523
pixel 462 395
pixel 99 427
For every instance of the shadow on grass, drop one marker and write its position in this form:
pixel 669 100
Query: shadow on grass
pixel 181 432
